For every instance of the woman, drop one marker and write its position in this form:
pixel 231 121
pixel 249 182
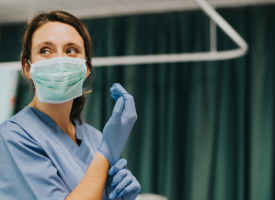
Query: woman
pixel 46 150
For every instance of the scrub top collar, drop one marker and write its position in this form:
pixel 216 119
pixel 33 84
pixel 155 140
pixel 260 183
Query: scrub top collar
pixel 82 151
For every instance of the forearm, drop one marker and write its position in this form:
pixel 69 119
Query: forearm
pixel 93 183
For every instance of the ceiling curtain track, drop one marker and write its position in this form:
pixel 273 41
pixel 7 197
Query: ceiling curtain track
pixel 212 55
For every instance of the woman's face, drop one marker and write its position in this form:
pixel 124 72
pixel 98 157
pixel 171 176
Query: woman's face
pixel 56 39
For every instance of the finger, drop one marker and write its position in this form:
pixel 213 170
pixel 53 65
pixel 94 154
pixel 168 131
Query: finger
pixel 119 177
pixel 121 164
pixel 129 103
pixel 115 97
pixel 130 109
pixel 133 187
pixel 117 111
pixel 119 105
pixel 117 89
pixel 121 186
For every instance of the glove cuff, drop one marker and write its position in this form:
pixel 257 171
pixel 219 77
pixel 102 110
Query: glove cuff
pixel 104 149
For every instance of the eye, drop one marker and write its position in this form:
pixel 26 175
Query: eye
pixel 45 51
pixel 72 51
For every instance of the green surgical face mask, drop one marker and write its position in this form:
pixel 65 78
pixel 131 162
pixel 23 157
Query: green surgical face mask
pixel 58 80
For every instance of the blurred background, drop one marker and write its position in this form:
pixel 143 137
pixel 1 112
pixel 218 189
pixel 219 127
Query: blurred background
pixel 205 130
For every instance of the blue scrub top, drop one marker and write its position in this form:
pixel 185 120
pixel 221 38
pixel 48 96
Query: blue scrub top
pixel 39 160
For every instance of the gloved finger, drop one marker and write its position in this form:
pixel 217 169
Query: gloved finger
pixel 129 111
pixel 117 111
pixel 115 97
pixel 118 177
pixel 120 164
pixel 131 189
pixel 134 187
pixel 117 90
pixel 122 185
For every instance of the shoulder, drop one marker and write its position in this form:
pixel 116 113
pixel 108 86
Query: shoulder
pixel 12 133
pixel 17 141
pixel 25 116
pixel 11 125
pixel 21 114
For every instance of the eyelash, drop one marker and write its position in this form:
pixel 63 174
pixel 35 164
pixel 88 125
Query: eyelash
pixel 45 49
pixel 73 49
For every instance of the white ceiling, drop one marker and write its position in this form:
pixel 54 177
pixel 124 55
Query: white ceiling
pixel 21 10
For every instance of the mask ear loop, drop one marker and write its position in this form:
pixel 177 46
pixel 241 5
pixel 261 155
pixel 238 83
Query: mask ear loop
pixel 29 63
pixel 89 91
pixel 32 77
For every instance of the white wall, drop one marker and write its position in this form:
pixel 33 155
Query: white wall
pixel 8 90
pixel 21 10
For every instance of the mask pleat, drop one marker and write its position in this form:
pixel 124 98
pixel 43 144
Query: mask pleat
pixel 58 79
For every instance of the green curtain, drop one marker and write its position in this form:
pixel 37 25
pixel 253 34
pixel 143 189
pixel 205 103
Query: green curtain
pixel 204 129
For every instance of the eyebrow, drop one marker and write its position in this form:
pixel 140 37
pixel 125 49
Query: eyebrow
pixel 51 44
pixel 73 44
pixel 42 43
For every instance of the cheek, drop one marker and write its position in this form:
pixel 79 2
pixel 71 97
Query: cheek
pixel 33 56
pixel 81 55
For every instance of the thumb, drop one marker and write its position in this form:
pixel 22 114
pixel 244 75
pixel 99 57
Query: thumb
pixel 117 111
pixel 121 164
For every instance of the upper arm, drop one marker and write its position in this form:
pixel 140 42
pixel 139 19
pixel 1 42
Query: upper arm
pixel 25 170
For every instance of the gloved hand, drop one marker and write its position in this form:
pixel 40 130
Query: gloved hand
pixel 121 184
pixel 119 126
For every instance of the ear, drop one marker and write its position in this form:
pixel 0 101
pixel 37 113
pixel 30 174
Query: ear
pixel 88 70
pixel 27 68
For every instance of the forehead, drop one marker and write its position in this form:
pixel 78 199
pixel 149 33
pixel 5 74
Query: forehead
pixel 57 33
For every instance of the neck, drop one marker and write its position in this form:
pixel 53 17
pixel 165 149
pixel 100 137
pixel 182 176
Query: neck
pixel 60 114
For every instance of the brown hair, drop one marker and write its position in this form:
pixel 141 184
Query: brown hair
pixel 39 20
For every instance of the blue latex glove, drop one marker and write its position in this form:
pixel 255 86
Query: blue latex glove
pixel 119 126
pixel 121 184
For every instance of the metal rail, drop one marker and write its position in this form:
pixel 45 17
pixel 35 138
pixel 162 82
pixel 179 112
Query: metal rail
pixel 212 55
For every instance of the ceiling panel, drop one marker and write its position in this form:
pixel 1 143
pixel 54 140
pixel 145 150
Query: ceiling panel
pixel 90 4
pixel 22 10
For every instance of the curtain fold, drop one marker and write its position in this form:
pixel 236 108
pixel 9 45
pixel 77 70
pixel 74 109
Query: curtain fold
pixel 205 130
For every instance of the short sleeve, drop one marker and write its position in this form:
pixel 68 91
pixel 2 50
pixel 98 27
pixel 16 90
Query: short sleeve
pixel 25 170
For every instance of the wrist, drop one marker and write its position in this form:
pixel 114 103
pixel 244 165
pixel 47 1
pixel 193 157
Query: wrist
pixel 105 150
pixel 102 157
